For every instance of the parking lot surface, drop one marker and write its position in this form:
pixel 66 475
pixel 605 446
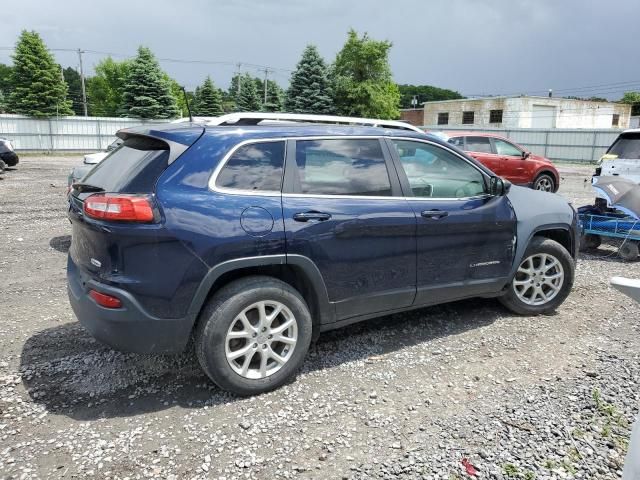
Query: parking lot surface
pixel 460 390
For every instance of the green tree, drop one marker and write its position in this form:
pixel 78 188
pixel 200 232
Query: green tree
pixel 106 87
pixel 424 93
pixel 147 92
pixel 362 82
pixel 38 87
pixel 209 100
pixel 5 86
pixel 72 77
pixel 275 98
pixel 309 89
pixel 178 95
pixel 247 99
pixel 633 99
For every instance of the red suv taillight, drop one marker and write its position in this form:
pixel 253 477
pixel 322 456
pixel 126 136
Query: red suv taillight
pixel 119 207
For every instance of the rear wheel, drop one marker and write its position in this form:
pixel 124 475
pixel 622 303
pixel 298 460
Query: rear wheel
pixel 544 182
pixel 543 279
pixel 629 251
pixel 3 166
pixel 253 335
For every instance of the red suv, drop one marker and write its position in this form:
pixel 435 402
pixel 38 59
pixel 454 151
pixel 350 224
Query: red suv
pixel 508 159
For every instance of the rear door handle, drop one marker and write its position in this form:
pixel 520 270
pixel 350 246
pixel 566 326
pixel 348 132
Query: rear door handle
pixel 306 216
pixel 434 214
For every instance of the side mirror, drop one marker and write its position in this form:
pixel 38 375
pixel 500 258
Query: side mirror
pixel 525 155
pixel 499 187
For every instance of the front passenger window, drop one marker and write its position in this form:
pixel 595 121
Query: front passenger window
pixel 435 172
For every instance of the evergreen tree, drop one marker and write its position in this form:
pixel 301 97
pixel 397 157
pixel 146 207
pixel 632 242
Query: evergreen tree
pixel 209 103
pixel 275 98
pixel 105 88
pixel 247 100
pixel 5 86
pixel 147 93
pixel 362 82
pixel 72 77
pixel 38 87
pixel 309 90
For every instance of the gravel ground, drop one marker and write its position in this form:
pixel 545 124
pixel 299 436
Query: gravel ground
pixel 442 393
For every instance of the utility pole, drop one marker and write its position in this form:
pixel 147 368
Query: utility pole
pixel 84 92
pixel 266 73
pixel 239 73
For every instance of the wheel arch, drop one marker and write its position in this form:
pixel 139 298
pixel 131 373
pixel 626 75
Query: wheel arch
pixel 296 270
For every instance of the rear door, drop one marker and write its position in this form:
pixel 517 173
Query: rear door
pixel 480 148
pixel 465 237
pixel 343 210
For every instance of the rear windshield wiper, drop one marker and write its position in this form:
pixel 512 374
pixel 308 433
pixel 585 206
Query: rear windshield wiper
pixel 85 187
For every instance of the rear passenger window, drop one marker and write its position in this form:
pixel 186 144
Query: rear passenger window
pixel 458 142
pixel 341 167
pixel 479 144
pixel 254 167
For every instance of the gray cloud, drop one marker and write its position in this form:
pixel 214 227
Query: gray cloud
pixel 476 47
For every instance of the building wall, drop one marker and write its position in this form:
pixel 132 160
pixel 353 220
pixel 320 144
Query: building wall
pixel 414 116
pixel 530 112
pixel 568 113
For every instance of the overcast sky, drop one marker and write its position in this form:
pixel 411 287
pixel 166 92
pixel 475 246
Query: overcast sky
pixel 473 46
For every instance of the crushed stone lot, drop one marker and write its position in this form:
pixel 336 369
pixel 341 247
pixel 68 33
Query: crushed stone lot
pixel 449 392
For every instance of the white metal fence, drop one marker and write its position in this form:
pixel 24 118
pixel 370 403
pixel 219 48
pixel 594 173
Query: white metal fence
pixel 95 133
pixel 568 145
pixel 64 133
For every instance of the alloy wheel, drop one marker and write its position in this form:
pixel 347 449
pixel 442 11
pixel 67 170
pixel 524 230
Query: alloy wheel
pixel 545 184
pixel 539 279
pixel 261 339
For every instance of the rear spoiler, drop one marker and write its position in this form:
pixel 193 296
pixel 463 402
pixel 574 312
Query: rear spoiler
pixel 176 140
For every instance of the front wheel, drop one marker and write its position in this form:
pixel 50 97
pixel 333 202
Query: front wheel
pixel 545 183
pixel 253 335
pixel 543 280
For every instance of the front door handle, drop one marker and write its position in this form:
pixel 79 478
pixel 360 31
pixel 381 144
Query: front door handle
pixel 306 216
pixel 434 214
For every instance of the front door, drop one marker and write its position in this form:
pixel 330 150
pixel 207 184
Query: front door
pixel 514 165
pixel 345 212
pixel 465 237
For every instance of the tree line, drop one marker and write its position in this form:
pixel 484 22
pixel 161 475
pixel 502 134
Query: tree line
pixel 358 83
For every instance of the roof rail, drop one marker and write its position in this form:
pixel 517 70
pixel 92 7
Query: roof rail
pixel 254 118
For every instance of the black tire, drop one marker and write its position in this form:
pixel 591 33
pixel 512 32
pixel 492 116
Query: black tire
pixel 540 245
pixel 220 312
pixel 3 166
pixel 545 182
pixel 590 242
pixel 629 251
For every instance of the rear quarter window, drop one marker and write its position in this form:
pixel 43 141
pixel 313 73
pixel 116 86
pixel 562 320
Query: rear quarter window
pixel 133 167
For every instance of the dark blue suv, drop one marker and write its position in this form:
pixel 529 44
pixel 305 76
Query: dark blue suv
pixel 253 239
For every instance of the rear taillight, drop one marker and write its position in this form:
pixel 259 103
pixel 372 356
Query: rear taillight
pixel 119 207
pixel 104 300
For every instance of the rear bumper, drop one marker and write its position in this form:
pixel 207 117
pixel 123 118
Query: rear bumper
pixel 10 158
pixel 128 328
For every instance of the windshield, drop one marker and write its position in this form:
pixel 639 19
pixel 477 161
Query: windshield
pixel 626 146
